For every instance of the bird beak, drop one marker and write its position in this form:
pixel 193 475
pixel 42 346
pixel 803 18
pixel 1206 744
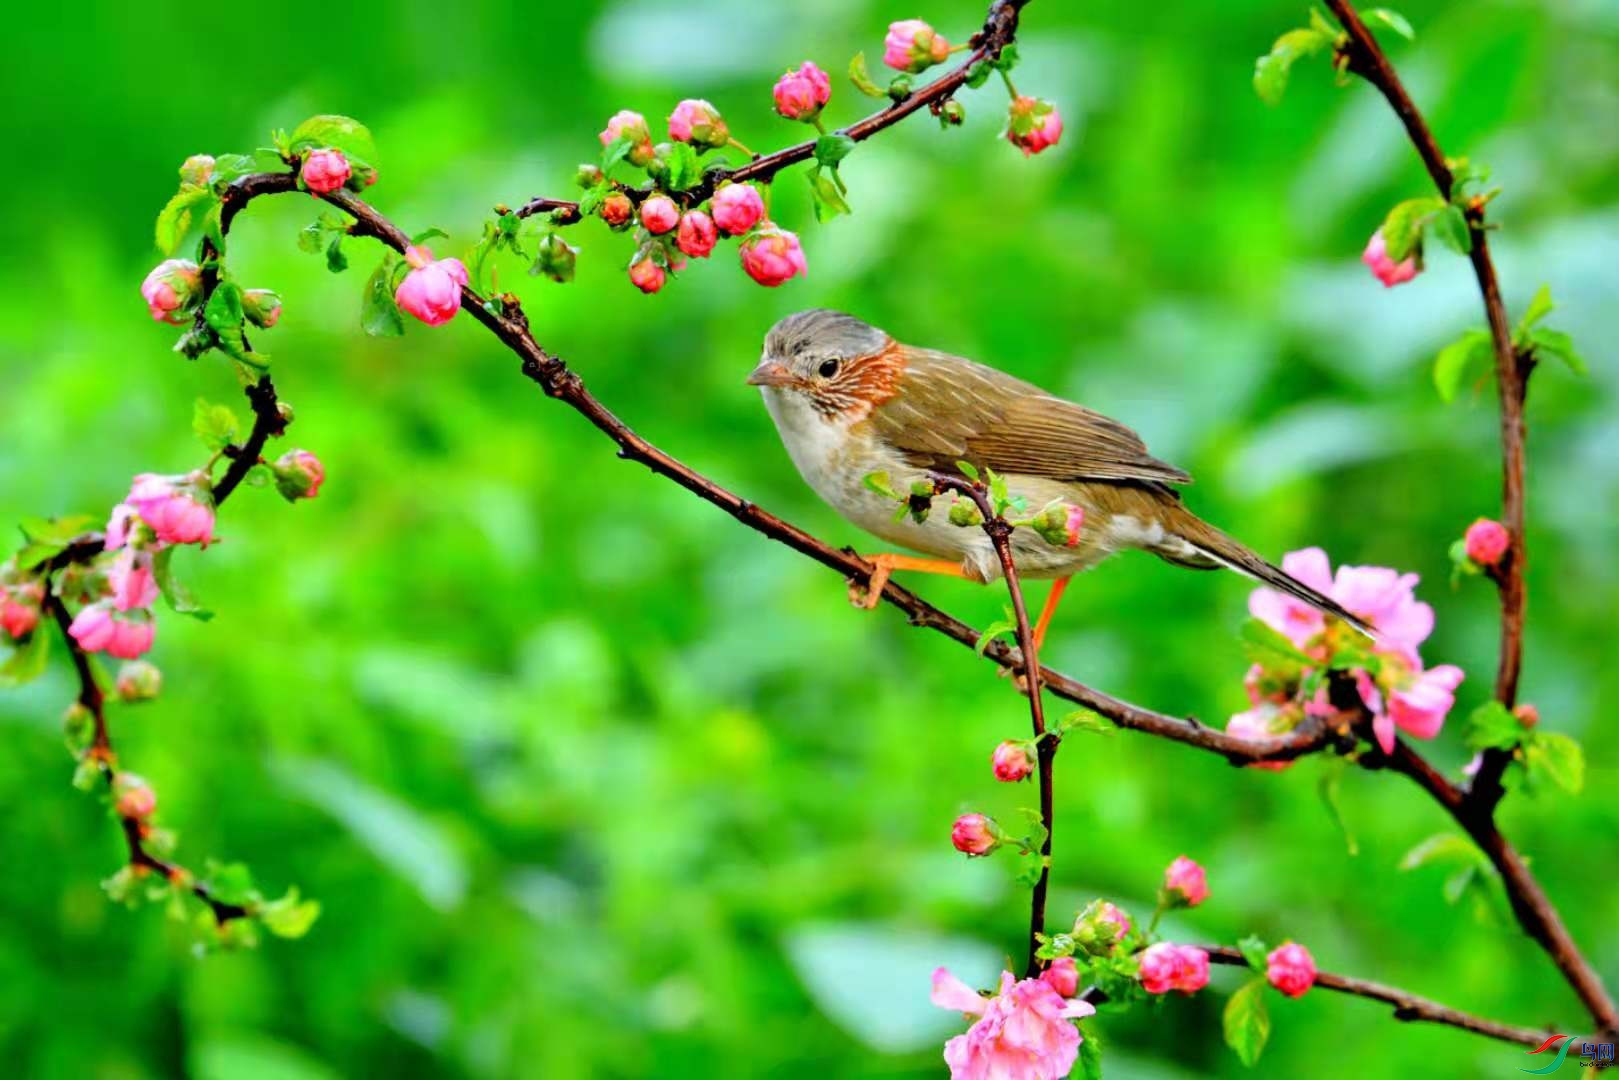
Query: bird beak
pixel 771 373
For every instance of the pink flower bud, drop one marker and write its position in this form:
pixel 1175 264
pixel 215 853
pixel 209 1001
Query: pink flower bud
pixel 1527 714
pixel 133 797
pixel 298 475
pixel 262 307
pixel 659 214
pixel 772 256
pixel 802 92
pixel 19 608
pixel 1109 914
pixel 737 208
pixel 697 234
pixel 914 46
pixel 617 210
pixel 99 628
pixel 132 580
pixel 170 290
pixel 1487 542
pixel 625 124
pixel 1385 269
pixel 1062 975
pixel 324 171
pixel 647 275
pixel 177 509
pixel 1074 523
pixel 1012 761
pixel 197 170
pixel 138 681
pixel 1032 125
pixel 1166 967
pixel 974 834
pixel 1291 969
pixel 432 289
pixel 1184 883
pixel 697 122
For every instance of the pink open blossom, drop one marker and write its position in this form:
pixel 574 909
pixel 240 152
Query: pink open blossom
pixel 1185 883
pixel 1291 969
pixel 170 290
pixel 324 171
pixel 772 256
pixel 1033 125
pixel 1487 541
pixel 132 580
pixel 1385 269
pixel 1166 966
pixel 1022 1033
pixel 659 214
pixel 1012 761
pixel 178 510
pixel 99 627
pixel 737 208
pixel 432 289
pixel 1384 598
pixel 1260 722
pixel 697 234
pixel 1418 708
pixel 914 46
pixel 699 123
pixel 802 92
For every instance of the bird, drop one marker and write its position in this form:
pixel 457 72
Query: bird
pixel 850 401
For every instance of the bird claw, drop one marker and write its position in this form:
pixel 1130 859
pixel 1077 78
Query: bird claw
pixel 868 594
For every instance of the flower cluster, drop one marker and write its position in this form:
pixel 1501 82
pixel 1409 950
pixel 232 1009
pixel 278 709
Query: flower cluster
pixel 1024 1030
pixel 1389 678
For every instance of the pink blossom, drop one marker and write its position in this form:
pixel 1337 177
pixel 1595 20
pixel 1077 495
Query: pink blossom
pixel 1294 619
pixel 1262 686
pixel 1012 761
pixel 170 290
pixel 647 275
pixel 99 628
pixel 298 475
pixel 324 171
pixel 697 234
pixel 737 208
pixel 1385 269
pixel 133 797
pixel 771 256
pixel 19 608
pixel 659 214
pixel 1033 125
pixel 1072 525
pixel 1291 969
pixel 1487 541
pixel 626 124
pixel 1022 1033
pixel 802 92
pixel 697 122
pixel 1166 967
pixel 1419 708
pixel 1260 722
pixel 912 45
pixel 132 580
pixel 1062 975
pixel 1185 883
pixel 1383 597
pixel 432 289
pixel 177 510
pixel 118 526
pixel 974 834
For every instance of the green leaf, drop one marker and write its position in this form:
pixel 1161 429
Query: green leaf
pixel 616 151
pixel 379 313
pixel 1493 727
pixel 1441 848
pixel 1270 648
pixel 1090 1056
pixel 1254 951
pixel 829 201
pixel 1330 788
pixel 999 626
pixel 968 469
pixel 1560 345
pixel 174 220
pixel 311 237
pixel 27 660
pixel 977 75
pixel 232 883
pixel 289 917
pixel 1393 20
pixel 178 597
pixel 1246 1022
pixel 336 261
pixel 429 234
pixel 1556 757
pixel 1271 70
pixel 862 78
pixel 1085 720
pixel 1450 225
pixel 1539 307
pixel 684 168
pixel 1467 358
pixel 342 132
pixel 833 148
pixel 224 310
pixel 216 425
pixel 1402 228
pixel 58 532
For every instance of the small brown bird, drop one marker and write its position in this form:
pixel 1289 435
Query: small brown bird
pixel 849 401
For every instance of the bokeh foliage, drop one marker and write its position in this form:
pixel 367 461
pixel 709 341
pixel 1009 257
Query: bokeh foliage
pixel 590 781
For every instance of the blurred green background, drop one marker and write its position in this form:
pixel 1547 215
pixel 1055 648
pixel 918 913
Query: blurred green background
pixel 591 781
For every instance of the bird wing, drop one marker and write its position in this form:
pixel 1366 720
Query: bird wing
pixel 951 409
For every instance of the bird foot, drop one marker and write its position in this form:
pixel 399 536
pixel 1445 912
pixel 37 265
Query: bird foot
pixel 868 594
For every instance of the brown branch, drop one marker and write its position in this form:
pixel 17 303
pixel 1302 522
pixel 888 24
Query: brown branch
pixel 1000 27
pixel 1045 744
pixel 1367 59
pixel 1407 1006
pixel 267 421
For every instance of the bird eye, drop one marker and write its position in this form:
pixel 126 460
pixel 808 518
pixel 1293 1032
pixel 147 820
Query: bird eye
pixel 828 368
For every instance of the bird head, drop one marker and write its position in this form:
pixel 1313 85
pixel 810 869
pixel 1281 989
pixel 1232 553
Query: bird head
pixel 830 363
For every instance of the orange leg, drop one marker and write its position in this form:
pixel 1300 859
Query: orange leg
pixel 1050 609
pixel 886 563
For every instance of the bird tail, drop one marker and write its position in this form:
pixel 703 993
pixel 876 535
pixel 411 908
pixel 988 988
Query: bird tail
pixel 1221 550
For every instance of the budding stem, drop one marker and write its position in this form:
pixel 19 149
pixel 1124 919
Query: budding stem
pixel 739 146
